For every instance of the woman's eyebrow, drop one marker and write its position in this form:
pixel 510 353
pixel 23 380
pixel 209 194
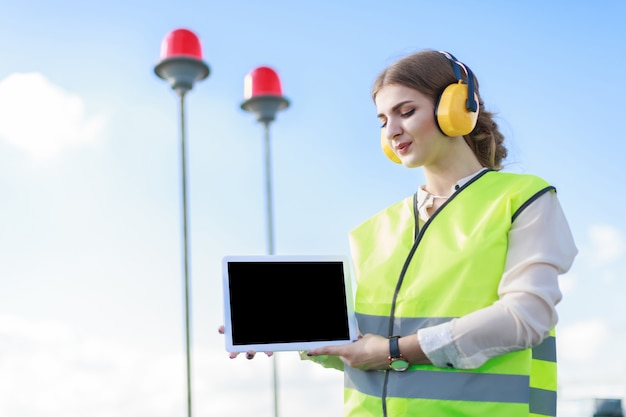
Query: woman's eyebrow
pixel 395 108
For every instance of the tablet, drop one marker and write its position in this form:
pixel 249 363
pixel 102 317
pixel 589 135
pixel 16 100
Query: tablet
pixel 287 302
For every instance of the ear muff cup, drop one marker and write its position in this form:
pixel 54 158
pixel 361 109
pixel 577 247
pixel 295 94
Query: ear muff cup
pixel 451 112
pixel 456 110
pixel 387 149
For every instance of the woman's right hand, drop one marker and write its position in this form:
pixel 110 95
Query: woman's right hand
pixel 249 354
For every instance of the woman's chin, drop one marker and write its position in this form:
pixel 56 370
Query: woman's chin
pixel 410 163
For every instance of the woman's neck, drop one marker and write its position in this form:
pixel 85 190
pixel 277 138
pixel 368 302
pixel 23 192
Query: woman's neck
pixel 442 176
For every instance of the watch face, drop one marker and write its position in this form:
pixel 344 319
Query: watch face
pixel 399 365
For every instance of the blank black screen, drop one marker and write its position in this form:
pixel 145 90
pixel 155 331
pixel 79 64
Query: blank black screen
pixel 282 302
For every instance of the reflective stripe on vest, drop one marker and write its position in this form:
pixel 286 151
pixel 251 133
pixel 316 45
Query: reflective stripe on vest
pixel 408 282
pixel 543 378
pixel 437 385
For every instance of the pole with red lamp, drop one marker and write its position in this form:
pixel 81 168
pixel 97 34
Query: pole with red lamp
pixel 264 98
pixel 181 65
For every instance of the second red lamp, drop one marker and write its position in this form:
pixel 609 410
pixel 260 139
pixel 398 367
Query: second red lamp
pixel 263 94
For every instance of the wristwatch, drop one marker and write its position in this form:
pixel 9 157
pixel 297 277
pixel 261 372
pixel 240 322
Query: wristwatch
pixel 396 361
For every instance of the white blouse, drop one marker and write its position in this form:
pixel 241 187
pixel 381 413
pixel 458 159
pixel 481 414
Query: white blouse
pixel 541 247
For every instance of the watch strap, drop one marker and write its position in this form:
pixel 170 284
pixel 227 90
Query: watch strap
pixel 394 347
pixel 396 361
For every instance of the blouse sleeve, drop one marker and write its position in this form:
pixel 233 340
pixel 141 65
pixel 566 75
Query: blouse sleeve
pixel 541 247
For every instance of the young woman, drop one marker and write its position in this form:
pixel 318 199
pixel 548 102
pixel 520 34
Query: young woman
pixel 456 284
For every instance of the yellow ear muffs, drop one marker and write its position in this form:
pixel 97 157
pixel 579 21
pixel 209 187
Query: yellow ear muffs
pixel 387 149
pixel 456 111
pixel 452 116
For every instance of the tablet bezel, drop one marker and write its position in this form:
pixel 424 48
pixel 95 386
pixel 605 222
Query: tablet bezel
pixel 296 345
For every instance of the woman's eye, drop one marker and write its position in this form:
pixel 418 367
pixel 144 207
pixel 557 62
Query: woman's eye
pixel 408 113
pixel 384 125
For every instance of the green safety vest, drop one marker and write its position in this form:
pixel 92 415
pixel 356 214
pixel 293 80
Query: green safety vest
pixel 410 278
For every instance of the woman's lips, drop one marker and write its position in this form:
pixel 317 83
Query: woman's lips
pixel 403 147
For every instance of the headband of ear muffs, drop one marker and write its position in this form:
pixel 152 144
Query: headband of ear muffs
pixel 456 109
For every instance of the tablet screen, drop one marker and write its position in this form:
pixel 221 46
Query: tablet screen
pixel 275 303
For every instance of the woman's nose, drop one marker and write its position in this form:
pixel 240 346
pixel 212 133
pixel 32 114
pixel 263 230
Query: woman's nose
pixel 392 129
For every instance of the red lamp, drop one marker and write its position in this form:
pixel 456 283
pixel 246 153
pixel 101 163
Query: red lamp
pixel 181 60
pixel 263 94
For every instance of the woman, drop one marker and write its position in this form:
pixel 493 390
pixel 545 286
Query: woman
pixel 457 284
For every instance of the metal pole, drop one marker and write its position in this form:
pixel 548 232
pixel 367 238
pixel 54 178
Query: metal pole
pixel 270 242
pixel 268 190
pixel 185 248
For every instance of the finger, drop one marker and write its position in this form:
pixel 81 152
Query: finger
pixel 327 350
pixel 233 355
pixel 250 354
pixel 269 354
pixel 221 329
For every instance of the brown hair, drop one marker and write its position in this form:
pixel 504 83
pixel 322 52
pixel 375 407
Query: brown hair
pixel 430 72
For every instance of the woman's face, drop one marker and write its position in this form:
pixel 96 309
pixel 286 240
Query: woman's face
pixel 409 122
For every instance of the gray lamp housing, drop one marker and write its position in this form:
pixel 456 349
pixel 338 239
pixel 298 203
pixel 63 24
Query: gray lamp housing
pixel 181 72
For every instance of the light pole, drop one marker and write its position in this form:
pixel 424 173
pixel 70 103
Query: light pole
pixel 181 65
pixel 263 97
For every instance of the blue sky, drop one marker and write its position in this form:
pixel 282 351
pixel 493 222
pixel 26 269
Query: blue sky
pixel 91 298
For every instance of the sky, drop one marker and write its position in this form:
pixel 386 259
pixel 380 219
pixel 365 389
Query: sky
pixel 91 265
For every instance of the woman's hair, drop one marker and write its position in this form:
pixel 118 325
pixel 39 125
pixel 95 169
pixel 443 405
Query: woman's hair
pixel 430 72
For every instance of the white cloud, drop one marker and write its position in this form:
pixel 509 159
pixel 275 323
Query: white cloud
pixel 583 340
pixel 608 243
pixel 47 369
pixel 41 118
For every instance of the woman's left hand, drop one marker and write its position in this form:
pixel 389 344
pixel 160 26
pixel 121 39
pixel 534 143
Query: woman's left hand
pixel 370 352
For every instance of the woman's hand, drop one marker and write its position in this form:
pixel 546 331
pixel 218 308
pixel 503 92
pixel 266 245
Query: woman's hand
pixel 249 354
pixel 370 352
